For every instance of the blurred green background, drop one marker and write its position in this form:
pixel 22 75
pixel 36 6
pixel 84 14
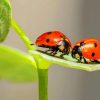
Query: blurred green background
pixel 77 19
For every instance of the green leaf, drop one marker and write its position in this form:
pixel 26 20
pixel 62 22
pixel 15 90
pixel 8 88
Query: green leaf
pixel 16 65
pixel 5 19
pixel 68 61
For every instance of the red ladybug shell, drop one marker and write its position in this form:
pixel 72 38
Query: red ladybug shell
pixel 86 40
pixel 90 49
pixel 51 38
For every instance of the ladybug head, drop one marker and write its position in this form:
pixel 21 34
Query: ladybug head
pixel 76 52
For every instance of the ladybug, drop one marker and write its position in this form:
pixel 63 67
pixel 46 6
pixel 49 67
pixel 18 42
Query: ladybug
pixel 87 50
pixel 54 41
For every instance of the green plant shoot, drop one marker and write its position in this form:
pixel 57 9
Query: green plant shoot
pixel 18 66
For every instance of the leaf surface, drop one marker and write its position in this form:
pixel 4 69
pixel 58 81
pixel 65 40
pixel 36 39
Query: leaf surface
pixel 16 65
pixel 68 62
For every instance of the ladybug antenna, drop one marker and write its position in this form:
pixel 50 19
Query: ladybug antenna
pixel 31 44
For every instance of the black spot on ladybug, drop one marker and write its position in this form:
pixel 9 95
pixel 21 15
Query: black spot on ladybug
pixel 82 43
pixel 95 45
pixel 47 40
pixel 61 36
pixel 49 32
pixel 93 54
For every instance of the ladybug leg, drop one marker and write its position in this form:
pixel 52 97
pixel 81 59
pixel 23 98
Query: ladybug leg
pixel 54 51
pixel 80 58
pixel 96 61
pixel 48 50
pixel 85 60
pixel 64 53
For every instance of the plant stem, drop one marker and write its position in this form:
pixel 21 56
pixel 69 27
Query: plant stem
pixel 22 35
pixel 43 84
